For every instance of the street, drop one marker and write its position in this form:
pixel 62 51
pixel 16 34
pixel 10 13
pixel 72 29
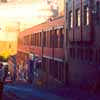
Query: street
pixel 24 91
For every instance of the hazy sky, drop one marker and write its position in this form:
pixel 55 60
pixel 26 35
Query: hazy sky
pixel 21 14
pixel 15 12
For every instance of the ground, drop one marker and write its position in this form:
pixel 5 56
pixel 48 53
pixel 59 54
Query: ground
pixel 25 91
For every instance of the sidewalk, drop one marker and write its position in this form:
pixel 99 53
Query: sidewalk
pixel 71 92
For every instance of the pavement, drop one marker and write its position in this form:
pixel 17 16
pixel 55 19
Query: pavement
pixel 21 90
pixel 25 91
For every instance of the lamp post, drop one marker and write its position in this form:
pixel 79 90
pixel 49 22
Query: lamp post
pixel 17 56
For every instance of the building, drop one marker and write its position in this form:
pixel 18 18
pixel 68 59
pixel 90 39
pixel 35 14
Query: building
pixel 83 26
pixel 12 66
pixel 46 41
pixel 3 1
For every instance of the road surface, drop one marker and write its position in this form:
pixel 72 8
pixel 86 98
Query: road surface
pixel 27 92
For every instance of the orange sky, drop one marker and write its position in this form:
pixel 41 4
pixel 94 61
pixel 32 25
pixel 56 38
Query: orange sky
pixel 21 14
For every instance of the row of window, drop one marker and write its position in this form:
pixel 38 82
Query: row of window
pixel 78 17
pixel 81 53
pixel 86 54
pixel 36 39
pixel 52 38
pixel 54 68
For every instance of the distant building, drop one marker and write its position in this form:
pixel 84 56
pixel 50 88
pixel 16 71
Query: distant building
pixel 8 48
pixel 12 66
pixel 3 1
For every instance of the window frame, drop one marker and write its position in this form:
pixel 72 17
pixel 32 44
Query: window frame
pixel 78 17
pixel 70 20
pixel 61 45
pixel 86 15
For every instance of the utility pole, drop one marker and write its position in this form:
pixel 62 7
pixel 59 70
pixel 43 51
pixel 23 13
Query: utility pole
pixel 17 41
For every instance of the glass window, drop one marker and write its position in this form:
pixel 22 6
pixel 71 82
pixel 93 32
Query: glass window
pixel 71 20
pixel 61 71
pixel 51 69
pixel 61 38
pixel 32 39
pixel 24 41
pixel 55 39
pixel 47 39
pixel 86 15
pixel 55 70
pixel 98 13
pixel 28 39
pixel 40 40
pixel 51 39
pixel 44 39
pixel 78 17
pixel 37 39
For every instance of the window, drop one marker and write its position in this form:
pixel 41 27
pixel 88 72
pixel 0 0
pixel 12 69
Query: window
pixel 61 71
pixel 51 39
pixel 47 39
pixel 78 17
pixel 55 39
pixel 44 64
pixel 71 52
pixel 71 20
pixel 26 40
pixel 32 39
pixel 61 38
pixel 44 39
pixel 40 39
pixel 98 56
pixel 51 69
pixel 55 70
pixel 98 13
pixel 86 15
pixel 37 39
